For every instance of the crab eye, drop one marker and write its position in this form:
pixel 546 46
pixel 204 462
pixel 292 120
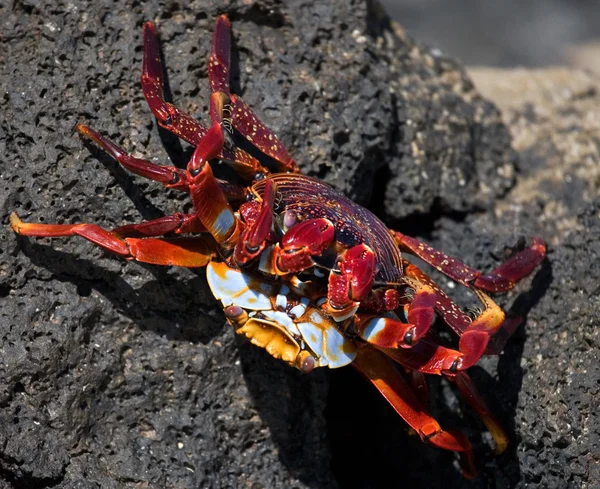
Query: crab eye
pixel 233 311
pixel 289 219
pixel 308 364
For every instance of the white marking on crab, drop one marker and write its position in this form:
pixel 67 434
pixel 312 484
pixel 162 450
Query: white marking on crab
pixel 281 301
pixel 373 328
pixel 326 341
pixel 342 317
pixel 224 222
pixel 298 310
pixel 284 320
pixel 233 287
pixel 265 263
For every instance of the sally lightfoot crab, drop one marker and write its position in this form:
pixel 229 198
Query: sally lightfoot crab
pixel 300 269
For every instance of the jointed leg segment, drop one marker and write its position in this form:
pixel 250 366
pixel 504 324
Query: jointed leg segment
pixel 475 335
pixel 184 252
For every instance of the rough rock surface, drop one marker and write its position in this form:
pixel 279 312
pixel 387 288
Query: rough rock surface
pixel 118 374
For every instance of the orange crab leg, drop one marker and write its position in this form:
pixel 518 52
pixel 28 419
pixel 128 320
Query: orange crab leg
pixel 471 396
pixel 387 332
pixel 501 279
pixel 376 367
pixel 428 356
pixel 474 334
pixel 210 202
pixel 184 252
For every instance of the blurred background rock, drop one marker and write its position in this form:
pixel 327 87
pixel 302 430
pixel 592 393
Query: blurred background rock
pixel 504 33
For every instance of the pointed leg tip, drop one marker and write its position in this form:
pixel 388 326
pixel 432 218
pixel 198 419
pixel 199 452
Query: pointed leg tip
pixel 89 133
pixel 149 26
pixel 83 130
pixel 15 222
pixel 223 18
pixel 539 245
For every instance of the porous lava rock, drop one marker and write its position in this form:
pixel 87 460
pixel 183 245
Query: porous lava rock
pixel 118 374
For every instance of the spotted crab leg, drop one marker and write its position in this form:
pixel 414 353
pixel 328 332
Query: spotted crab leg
pixel 169 176
pixel 178 122
pixel 475 334
pixel 376 367
pixel 501 279
pixel 241 116
pixel 184 252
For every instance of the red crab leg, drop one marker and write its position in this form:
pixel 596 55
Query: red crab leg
pixel 501 279
pixel 243 119
pixel 474 334
pixel 169 176
pixel 174 120
pixel 175 223
pixel 168 115
pixel 428 356
pixel 381 372
pixel 220 53
pixel 422 359
pixel 210 202
pixel 450 312
pixel 474 341
pixel 184 252
pixel 386 332
pixel 251 127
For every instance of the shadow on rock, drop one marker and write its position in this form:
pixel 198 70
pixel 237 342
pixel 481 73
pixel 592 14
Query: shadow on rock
pixel 166 305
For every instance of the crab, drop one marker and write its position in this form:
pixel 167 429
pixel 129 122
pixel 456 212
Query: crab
pixel 301 270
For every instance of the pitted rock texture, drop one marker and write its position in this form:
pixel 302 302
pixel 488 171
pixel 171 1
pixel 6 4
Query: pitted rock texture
pixel 119 374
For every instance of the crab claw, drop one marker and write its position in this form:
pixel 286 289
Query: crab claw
pixel 302 242
pixel 351 282
pixel 254 237
pixel 355 277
